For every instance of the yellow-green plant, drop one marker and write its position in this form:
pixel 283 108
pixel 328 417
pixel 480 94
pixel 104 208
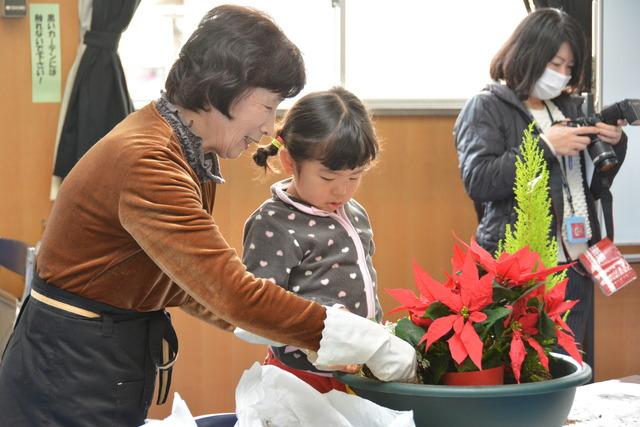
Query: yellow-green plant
pixel 533 207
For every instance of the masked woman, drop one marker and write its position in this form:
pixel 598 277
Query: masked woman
pixel 534 74
pixel 132 233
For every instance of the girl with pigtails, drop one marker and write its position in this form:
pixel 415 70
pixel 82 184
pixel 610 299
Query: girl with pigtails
pixel 311 236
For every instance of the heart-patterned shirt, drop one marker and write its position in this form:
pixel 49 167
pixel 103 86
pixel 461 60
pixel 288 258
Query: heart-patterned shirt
pixel 319 255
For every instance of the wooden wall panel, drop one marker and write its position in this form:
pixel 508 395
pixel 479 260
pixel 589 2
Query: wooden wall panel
pixel 28 132
pixel 617 322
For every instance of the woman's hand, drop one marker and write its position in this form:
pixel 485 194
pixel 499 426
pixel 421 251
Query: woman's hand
pixel 567 140
pixel 611 134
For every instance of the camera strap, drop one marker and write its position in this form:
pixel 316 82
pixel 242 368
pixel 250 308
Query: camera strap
pixel 606 201
pixel 563 165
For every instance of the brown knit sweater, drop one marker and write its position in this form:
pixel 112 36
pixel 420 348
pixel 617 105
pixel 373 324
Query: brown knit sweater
pixel 132 227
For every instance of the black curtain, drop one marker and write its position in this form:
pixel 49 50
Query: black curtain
pixel 99 98
pixel 581 11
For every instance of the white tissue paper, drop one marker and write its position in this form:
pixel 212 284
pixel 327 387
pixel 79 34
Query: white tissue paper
pixel 180 416
pixel 267 395
pixel 252 338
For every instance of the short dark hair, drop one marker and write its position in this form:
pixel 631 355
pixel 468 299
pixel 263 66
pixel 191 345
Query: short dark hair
pixel 523 58
pixel 333 127
pixel 234 49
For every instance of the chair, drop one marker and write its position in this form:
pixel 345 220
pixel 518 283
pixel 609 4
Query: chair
pixel 216 420
pixel 18 257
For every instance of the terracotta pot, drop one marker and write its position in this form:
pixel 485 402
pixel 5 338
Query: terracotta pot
pixel 491 376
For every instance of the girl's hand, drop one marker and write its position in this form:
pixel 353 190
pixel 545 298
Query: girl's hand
pixel 569 141
pixel 611 134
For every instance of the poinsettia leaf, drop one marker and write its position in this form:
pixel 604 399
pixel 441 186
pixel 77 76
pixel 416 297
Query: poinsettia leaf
pixel 423 280
pixel 492 357
pixel 482 292
pixel 508 267
pixel 482 256
pixel 560 321
pixel 436 310
pixel 557 293
pixel 457 348
pixel 561 308
pixel 542 274
pixel 404 296
pixel 458 258
pixel 444 295
pixel 529 321
pixel 501 293
pixel 546 326
pixel 466 366
pixel 477 316
pixel 529 291
pixel 438 329
pixel 516 354
pixel 472 344
pixel 439 363
pixel 569 344
pixel 409 331
pixel 544 360
pixel 493 315
pixel 468 281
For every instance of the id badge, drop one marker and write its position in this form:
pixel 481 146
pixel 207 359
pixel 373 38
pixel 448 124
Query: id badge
pixel 576 228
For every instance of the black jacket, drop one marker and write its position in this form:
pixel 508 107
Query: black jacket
pixel 488 133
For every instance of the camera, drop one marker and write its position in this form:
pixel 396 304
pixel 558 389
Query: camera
pixel 601 153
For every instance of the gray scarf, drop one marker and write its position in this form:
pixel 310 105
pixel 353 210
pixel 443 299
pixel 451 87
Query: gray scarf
pixel 206 166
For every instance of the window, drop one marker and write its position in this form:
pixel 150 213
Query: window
pixel 395 54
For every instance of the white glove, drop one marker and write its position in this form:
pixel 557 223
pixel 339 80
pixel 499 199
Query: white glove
pixel 348 339
pixel 252 338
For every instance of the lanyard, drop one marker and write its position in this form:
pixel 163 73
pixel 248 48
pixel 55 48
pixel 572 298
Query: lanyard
pixel 563 168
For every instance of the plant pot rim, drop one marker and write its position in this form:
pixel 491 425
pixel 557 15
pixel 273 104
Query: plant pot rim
pixel 581 375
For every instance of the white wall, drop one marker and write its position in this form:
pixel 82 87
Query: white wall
pixel 621 79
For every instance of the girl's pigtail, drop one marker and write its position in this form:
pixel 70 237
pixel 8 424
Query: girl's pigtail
pixel 262 154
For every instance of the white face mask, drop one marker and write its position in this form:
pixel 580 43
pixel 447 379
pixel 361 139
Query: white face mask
pixel 550 84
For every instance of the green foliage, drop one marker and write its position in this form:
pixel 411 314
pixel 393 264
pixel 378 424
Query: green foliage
pixel 435 310
pixel 409 331
pixel 532 370
pixel 533 207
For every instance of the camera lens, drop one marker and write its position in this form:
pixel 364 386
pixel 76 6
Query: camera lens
pixel 602 155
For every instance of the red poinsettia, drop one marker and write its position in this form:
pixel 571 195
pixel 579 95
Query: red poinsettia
pixel 555 307
pixel 513 269
pixel 415 305
pixel 498 309
pixel 523 324
pixel 475 293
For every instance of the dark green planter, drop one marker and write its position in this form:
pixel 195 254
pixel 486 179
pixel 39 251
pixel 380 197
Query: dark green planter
pixel 541 404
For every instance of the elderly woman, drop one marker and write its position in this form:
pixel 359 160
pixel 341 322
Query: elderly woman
pixel 132 233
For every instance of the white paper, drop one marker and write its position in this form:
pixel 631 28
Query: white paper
pixel 180 416
pixel 267 395
pixel 613 403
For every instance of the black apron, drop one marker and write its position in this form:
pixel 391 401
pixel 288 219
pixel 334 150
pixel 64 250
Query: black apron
pixel 63 369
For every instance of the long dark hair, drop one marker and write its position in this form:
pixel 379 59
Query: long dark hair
pixel 523 58
pixel 332 126
pixel 234 49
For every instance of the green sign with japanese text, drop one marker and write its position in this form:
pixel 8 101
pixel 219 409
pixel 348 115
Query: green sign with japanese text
pixel 44 23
